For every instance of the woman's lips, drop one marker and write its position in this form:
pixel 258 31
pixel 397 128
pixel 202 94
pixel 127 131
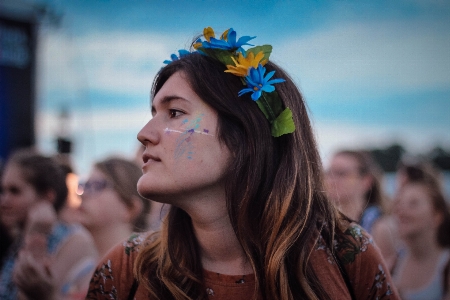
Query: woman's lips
pixel 148 159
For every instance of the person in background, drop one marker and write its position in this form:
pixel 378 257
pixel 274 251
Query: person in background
pixel 353 182
pixel 385 231
pixel 235 157
pixel 424 227
pixel 111 208
pixel 49 259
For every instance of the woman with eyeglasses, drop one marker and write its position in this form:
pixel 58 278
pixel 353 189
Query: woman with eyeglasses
pixel 111 208
pixel 48 259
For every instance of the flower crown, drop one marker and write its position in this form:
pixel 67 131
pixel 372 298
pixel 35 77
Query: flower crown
pixel 249 65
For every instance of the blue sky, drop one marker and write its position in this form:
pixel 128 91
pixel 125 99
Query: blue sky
pixel 372 72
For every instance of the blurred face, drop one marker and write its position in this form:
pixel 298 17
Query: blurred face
pixel 101 205
pixel 415 212
pixel 343 180
pixel 18 196
pixel 182 153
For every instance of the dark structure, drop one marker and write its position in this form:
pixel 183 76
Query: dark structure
pixel 19 22
pixel 17 79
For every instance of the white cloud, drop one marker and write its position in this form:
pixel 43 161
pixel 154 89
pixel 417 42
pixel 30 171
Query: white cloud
pixel 115 61
pixel 370 57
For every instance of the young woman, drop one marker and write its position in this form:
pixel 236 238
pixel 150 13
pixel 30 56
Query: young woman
pixel 238 164
pixel 424 227
pixel 354 185
pixel 111 208
pixel 353 182
pixel 48 258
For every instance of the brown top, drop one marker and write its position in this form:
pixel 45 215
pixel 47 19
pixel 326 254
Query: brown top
pixel 365 271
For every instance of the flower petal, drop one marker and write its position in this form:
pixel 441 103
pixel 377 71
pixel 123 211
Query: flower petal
pixel 244 91
pixel 277 80
pixel 208 33
pixel 268 88
pixel 256 95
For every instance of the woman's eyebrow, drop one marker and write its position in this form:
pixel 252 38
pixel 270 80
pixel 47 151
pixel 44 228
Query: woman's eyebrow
pixel 168 99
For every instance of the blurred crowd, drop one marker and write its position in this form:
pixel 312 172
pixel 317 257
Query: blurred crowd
pixel 410 227
pixel 55 229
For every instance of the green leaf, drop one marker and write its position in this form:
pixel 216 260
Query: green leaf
pixel 266 49
pixel 283 124
pixel 223 56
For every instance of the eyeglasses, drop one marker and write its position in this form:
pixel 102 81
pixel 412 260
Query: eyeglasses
pixel 339 173
pixel 93 186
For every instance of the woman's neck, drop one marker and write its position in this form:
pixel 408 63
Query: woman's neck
pixel 106 237
pixel 219 247
pixel 423 246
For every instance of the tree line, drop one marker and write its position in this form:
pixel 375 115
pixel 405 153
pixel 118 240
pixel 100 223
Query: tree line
pixel 389 157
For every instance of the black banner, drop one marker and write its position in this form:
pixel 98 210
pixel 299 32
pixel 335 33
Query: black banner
pixel 17 84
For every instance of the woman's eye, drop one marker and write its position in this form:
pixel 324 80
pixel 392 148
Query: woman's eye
pixel 173 113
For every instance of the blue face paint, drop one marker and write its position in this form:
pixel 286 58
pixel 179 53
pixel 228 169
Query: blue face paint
pixel 184 142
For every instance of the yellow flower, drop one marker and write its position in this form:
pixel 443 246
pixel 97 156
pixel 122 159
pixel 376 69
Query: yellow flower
pixel 208 33
pixel 245 63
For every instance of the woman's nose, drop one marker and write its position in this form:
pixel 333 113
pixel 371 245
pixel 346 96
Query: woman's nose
pixel 149 134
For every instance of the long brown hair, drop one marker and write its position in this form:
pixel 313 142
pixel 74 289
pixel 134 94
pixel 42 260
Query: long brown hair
pixel 274 190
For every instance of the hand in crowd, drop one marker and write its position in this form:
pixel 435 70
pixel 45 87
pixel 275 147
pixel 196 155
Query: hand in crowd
pixel 33 276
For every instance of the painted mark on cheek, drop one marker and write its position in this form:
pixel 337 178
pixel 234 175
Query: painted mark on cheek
pixel 184 145
pixel 204 132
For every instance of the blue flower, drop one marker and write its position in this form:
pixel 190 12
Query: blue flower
pixel 257 82
pixel 174 57
pixel 228 42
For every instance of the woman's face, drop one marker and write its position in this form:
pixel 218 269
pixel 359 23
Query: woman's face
pixel 415 212
pixel 343 180
pixel 17 198
pixel 101 205
pixel 183 155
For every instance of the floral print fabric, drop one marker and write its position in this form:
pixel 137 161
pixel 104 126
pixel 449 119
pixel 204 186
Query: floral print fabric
pixel 355 270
